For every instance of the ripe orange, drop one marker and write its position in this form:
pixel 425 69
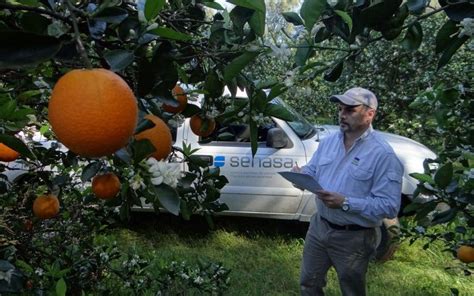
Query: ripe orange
pixel 182 99
pixel 46 206
pixel 466 254
pixel 106 186
pixel 7 154
pixel 93 112
pixel 159 136
pixel 202 126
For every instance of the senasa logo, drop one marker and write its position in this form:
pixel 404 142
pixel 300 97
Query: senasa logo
pixel 219 161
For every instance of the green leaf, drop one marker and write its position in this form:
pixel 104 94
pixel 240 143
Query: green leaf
pixel 411 208
pixel 61 287
pixel 170 34
pixel 142 149
pixel 213 85
pixel 257 5
pixel 335 72
pixel 345 17
pixel 7 109
pixel 190 110
pixel 34 22
pixel 310 11
pixel 444 175
pixel 276 90
pixel 445 216
pixel 119 59
pixel 413 37
pixel 17 145
pixel 257 23
pixel 293 18
pixel 113 15
pixel 19 49
pixel 253 136
pixel 443 37
pixel 448 96
pixel 213 5
pixel 450 51
pixel 90 171
pixel 422 177
pixel 168 198
pixel 239 63
pixel 303 53
pixel 153 8
pixel 278 111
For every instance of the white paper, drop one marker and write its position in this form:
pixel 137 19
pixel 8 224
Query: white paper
pixel 302 181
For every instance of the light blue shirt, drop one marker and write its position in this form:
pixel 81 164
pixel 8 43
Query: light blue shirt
pixel 369 175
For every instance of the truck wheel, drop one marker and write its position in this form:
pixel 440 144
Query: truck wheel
pixel 387 239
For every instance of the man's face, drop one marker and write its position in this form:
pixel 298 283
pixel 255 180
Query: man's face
pixel 355 118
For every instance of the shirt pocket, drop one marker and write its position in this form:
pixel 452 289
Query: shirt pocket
pixel 324 161
pixel 360 174
pixel 359 181
pixel 324 165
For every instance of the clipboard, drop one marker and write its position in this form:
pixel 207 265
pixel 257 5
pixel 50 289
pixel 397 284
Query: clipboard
pixel 302 181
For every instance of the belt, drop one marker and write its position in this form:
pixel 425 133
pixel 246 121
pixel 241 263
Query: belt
pixel 350 227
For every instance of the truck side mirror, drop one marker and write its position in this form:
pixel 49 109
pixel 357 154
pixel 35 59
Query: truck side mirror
pixel 277 138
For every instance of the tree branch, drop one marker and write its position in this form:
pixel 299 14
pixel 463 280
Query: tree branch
pixel 77 36
pixel 36 9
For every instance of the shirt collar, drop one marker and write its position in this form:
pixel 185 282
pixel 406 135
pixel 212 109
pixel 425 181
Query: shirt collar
pixel 367 132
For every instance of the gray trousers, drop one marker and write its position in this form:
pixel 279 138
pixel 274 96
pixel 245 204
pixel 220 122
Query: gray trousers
pixel 348 251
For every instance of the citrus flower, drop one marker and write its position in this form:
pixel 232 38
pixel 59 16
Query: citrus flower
pixel 467 27
pixel 164 172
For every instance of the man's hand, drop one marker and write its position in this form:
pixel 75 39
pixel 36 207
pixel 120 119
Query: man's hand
pixel 296 168
pixel 331 199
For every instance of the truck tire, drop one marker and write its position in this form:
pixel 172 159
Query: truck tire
pixel 387 239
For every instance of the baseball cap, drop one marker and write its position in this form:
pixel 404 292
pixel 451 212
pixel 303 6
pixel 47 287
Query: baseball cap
pixel 357 96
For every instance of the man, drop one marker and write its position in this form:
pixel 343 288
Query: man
pixel 361 177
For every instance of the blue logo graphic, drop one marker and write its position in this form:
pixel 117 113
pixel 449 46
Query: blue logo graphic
pixel 219 161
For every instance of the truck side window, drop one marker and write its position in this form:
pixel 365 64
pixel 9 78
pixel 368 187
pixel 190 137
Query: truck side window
pixel 238 132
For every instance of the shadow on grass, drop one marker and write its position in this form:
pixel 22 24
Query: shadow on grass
pixel 197 226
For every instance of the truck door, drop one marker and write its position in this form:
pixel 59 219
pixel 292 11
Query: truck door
pixel 254 186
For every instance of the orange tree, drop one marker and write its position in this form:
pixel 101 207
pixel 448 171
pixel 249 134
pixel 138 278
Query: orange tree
pixel 152 46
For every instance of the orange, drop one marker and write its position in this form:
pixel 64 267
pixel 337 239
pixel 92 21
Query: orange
pixel 159 136
pixel 93 112
pixel 106 186
pixel 46 206
pixel 7 154
pixel 466 254
pixel 202 126
pixel 182 99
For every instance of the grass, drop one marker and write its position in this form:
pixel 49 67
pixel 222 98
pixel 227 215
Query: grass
pixel 264 256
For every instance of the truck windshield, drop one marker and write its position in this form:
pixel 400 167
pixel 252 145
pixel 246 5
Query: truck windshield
pixel 299 125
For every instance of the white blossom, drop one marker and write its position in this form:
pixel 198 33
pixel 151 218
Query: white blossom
pixel 6 275
pixel 198 280
pixel 39 271
pixel 332 3
pixel 467 27
pixel 289 81
pixel 164 172
pixel 471 174
pixel 280 52
pixel 137 182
